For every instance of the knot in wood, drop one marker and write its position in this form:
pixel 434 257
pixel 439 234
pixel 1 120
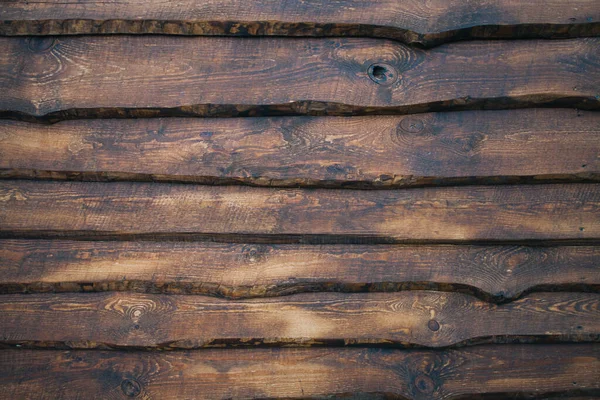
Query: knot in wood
pixel 412 125
pixel 131 388
pixel 424 384
pixel 382 74
pixel 433 325
pixel 40 44
pixel 254 254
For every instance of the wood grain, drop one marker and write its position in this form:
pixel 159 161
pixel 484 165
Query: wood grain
pixel 417 21
pixel 516 146
pixel 458 214
pixel 492 273
pixel 421 318
pixel 492 372
pixel 148 76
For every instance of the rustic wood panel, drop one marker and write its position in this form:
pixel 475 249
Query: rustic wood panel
pixel 529 145
pixel 417 21
pixel 495 371
pixel 492 273
pixel 141 76
pixel 424 318
pixel 457 214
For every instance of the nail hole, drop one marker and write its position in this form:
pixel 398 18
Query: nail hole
pixel 383 74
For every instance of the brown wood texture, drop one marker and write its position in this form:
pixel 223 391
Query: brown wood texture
pixel 457 214
pixel 492 273
pixel 421 318
pixel 416 21
pixel 142 76
pixel 514 146
pixel 490 372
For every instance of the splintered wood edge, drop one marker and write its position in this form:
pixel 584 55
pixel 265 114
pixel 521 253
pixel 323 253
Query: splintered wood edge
pixel 532 371
pixel 403 319
pixel 492 273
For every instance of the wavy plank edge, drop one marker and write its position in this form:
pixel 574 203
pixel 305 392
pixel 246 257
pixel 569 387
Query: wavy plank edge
pixel 282 342
pixel 382 182
pixel 308 108
pixel 240 292
pixel 312 239
pixel 294 29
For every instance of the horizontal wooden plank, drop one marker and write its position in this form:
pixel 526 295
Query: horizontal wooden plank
pixel 141 76
pixel 457 214
pixel 530 145
pixel 495 371
pixel 422 318
pixel 418 21
pixel 492 273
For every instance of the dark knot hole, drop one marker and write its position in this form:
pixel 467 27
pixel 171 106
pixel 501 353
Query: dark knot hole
pixel 382 74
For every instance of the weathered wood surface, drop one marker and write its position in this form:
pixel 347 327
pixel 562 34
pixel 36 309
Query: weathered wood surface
pixel 456 214
pixel 495 371
pixel 530 145
pixel 492 273
pixel 422 318
pixel 417 22
pixel 141 76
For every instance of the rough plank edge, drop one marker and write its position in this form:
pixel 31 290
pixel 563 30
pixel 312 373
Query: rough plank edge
pixel 384 182
pixel 241 292
pixel 311 108
pixel 293 29
pixel 274 238
pixel 285 342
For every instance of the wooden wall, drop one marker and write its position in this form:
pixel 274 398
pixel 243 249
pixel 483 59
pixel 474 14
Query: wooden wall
pixel 300 199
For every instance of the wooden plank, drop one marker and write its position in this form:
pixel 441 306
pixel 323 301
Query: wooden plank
pixel 132 209
pixel 492 273
pixel 422 318
pixel 495 371
pixel 529 145
pixel 417 22
pixel 142 76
